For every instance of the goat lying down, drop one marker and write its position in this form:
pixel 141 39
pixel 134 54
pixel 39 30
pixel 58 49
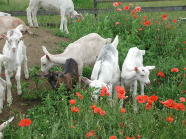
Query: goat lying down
pixel 15 50
pixel 64 7
pixel 3 125
pixel 8 22
pixel 84 51
pixel 106 70
pixel 4 14
pixel 133 70
pixel 69 77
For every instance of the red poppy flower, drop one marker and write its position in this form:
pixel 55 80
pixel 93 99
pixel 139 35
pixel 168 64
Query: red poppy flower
pixel 175 70
pixel 155 21
pixel 174 21
pixel 179 106
pixel 182 99
pixel 113 137
pixel 98 109
pixel 72 102
pixel 168 26
pixel 135 16
pixel 75 109
pixel 116 4
pixel 119 9
pixel 3 74
pixel 146 23
pixel 184 42
pixel 123 110
pixel 77 94
pixel 164 17
pixel 148 106
pixel 153 98
pixel 78 20
pixel 142 99
pixel 133 12
pixel 138 9
pixel 131 4
pixel 140 29
pixel 25 122
pixel 169 103
pixel 117 23
pixel 93 107
pixel 183 91
pixel 138 136
pixel 144 17
pixel 126 8
pixel 184 68
pixel 169 119
pixel 91 133
pixel 102 112
pixel 161 74
pixel 121 124
pixel 120 96
pixel 81 97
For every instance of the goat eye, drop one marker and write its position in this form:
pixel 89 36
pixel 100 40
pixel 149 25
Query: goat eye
pixel 142 75
pixel 44 64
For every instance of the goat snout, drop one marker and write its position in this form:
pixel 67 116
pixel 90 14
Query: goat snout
pixel 14 49
pixel 147 83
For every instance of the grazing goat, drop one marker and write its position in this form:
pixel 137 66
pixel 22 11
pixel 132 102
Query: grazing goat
pixel 2 93
pixel 84 51
pixel 133 70
pixel 64 7
pixel 3 125
pixel 8 22
pixel 106 70
pixel 4 14
pixel 15 49
pixel 69 77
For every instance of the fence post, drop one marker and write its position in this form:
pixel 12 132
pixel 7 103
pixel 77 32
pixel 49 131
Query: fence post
pixel 95 7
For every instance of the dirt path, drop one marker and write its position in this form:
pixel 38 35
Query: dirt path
pixel 34 53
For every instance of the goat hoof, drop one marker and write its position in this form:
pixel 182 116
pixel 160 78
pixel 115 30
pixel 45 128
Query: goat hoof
pixel 31 26
pixel 19 92
pixel 27 76
pixel 9 102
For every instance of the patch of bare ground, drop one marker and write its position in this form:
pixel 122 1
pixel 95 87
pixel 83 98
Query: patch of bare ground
pixel 34 45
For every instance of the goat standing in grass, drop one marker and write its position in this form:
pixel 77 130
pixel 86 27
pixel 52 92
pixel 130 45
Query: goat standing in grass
pixel 64 7
pixel 106 70
pixel 133 70
pixel 84 51
pixel 15 49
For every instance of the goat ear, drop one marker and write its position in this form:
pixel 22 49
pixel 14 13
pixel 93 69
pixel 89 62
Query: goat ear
pixel 150 67
pixel 43 75
pixel 86 80
pixel 45 50
pixel 136 69
pixel 80 16
pixel 47 57
pixel 4 36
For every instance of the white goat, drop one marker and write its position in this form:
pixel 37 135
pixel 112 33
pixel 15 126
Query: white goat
pixel 84 51
pixel 3 125
pixel 2 93
pixel 133 70
pixel 4 14
pixel 106 70
pixel 15 49
pixel 64 7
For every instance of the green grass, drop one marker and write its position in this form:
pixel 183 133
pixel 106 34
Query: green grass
pixel 165 48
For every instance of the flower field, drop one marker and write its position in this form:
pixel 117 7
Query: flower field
pixel 161 112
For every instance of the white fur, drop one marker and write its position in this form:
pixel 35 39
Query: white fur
pixel 84 51
pixel 64 7
pixel 2 93
pixel 15 49
pixel 106 70
pixel 133 70
pixel 4 14
pixel 3 125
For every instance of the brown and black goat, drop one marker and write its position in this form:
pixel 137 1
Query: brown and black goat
pixel 69 77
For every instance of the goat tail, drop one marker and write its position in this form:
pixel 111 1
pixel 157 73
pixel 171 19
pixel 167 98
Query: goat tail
pixel 115 42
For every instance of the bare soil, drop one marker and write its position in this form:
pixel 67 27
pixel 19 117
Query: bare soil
pixel 34 45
